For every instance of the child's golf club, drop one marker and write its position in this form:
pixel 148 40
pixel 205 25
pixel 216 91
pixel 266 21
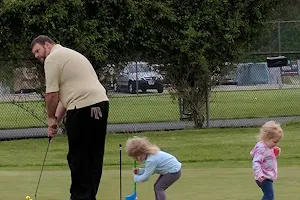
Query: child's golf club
pixel 133 195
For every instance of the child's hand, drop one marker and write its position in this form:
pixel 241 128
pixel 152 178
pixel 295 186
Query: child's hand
pixel 277 150
pixel 135 170
pixel 261 179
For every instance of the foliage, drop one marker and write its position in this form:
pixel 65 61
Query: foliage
pixel 198 39
pixel 192 39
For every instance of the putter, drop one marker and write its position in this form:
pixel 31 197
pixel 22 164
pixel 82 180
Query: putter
pixel 120 171
pixel 35 195
pixel 133 195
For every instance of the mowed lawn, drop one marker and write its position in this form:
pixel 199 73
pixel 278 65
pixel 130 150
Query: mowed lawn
pixel 216 166
pixel 160 108
pixel 200 184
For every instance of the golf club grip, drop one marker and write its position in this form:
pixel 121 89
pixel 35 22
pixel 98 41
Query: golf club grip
pixel 55 127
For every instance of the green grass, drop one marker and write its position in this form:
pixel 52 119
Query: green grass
pixel 154 108
pixel 197 148
pixel 127 109
pixel 159 108
pixel 15 117
pixel 257 103
pixel 204 184
pixel 216 166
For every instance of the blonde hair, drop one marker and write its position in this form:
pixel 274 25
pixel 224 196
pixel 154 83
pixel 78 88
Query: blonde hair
pixel 140 145
pixel 270 130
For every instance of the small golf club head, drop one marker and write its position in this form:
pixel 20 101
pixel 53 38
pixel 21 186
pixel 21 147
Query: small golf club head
pixel 131 197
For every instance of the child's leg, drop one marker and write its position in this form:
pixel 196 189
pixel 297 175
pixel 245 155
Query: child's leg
pixel 267 188
pixel 163 182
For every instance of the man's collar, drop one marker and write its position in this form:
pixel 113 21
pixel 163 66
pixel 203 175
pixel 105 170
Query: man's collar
pixel 55 47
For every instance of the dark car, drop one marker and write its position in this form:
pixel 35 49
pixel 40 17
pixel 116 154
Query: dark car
pixel 146 76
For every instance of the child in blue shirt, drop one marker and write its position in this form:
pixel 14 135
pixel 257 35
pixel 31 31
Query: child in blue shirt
pixel 156 161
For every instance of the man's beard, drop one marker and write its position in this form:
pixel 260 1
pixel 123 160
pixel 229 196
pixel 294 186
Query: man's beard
pixel 42 59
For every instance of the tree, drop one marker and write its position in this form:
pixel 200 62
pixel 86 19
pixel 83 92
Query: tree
pixel 197 40
pixel 194 40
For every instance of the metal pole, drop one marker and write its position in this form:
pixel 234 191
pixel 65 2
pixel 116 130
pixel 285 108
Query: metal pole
pixel 136 79
pixel 279 37
pixel 279 50
pixel 180 107
pixel 207 109
pixel 120 145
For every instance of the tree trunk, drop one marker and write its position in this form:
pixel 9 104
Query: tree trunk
pixel 196 103
pixel 198 119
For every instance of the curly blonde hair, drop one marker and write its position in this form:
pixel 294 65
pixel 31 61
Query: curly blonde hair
pixel 140 146
pixel 270 130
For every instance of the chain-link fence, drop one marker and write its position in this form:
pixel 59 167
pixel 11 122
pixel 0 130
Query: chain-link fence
pixel 277 38
pixel 21 100
pixel 255 91
pixel 23 107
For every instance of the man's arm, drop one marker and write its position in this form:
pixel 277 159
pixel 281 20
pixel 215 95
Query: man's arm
pixel 60 112
pixel 52 100
pixel 52 74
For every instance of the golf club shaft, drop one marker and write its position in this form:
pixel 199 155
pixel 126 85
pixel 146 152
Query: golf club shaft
pixel 134 165
pixel 35 195
pixel 134 188
pixel 120 171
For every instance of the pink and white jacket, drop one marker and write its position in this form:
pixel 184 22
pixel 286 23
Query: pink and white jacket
pixel 264 162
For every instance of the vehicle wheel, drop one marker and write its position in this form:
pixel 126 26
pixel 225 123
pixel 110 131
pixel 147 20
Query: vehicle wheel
pixel 132 87
pixel 160 88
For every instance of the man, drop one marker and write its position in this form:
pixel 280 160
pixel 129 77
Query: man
pixel 73 88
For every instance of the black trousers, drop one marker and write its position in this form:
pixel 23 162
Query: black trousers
pixel 86 129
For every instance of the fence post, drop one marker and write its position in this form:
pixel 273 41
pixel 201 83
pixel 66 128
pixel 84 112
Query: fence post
pixel 207 108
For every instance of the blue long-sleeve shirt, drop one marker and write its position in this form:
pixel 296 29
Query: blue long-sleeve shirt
pixel 160 163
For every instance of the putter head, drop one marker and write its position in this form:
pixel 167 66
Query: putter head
pixel 131 197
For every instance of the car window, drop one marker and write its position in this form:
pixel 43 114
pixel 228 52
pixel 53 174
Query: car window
pixel 140 68
pixel 126 71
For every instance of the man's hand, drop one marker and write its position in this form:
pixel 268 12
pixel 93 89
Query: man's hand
pixel 52 127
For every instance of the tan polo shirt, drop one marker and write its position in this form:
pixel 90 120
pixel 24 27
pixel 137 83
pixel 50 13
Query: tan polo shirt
pixel 72 75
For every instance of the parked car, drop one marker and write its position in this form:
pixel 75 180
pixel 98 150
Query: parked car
pixel 228 79
pixel 147 78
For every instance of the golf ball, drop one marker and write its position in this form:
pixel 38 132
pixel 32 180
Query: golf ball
pixel 27 198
